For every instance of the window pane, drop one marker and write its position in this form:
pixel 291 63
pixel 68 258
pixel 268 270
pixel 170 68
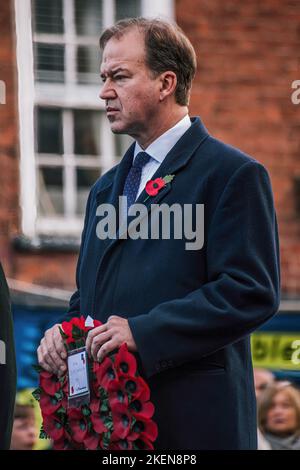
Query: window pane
pixel 48 16
pixel 122 143
pixel 49 130
pixel 127 9
pixel 87 132
pixel 88 17
pixel 86 177
pixel 49 62
pixel 88 64
pixel 51 200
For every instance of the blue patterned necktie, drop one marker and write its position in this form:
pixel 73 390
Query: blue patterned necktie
pixel 133 179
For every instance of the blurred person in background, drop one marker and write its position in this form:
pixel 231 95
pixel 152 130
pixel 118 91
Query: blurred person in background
pixel 279 416
pixel 263 378
pixel 7 365
pixel 24 433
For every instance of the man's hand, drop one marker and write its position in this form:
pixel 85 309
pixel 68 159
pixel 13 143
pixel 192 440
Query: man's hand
pixel 109 336
pixel 51 352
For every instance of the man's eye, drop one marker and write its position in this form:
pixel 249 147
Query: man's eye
pixel 103 79
pixel 119 77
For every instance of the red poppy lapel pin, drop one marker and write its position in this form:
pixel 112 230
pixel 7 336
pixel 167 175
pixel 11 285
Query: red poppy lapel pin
pixel 153 187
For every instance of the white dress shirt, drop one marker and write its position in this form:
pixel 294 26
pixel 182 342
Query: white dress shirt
pixel 159 149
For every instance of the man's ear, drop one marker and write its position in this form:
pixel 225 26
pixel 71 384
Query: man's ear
pixel 168 83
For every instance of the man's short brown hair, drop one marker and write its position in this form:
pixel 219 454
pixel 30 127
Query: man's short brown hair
pixel 167 48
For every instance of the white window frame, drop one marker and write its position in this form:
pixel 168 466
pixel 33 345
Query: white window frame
pixel 32 94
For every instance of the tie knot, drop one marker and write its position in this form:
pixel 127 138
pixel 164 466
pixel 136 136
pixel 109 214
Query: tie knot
pixel 141 159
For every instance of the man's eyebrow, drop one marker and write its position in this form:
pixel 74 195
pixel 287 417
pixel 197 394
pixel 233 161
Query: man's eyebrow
pixel 113 72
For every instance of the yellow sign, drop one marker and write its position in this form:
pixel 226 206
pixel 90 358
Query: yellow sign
pixel 274 350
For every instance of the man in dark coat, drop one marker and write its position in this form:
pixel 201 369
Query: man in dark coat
pixel 7 365
pixel 185 311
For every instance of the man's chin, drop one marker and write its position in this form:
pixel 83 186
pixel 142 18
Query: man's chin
pixel 117 128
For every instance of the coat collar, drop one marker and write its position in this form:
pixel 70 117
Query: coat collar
pixel 175 160
pixel 178 157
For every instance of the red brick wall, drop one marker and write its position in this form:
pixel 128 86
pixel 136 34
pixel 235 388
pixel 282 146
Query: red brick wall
pixel 248 56
pixel 55 270
pixel 9 171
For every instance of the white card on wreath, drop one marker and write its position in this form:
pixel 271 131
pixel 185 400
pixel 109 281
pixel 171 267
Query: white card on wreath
pixel 78 372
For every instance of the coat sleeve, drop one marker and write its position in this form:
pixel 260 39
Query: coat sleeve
pixel 243 286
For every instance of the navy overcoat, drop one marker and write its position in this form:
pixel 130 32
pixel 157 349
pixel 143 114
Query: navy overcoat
pixel 191 312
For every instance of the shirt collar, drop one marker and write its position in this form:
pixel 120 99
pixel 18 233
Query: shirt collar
pixel 161 146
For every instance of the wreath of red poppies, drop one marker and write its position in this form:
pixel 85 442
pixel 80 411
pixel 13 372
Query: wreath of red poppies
pixel 119 415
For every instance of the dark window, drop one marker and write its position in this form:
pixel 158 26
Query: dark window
pixel 49 130
pixel 48 16
pixel 50 62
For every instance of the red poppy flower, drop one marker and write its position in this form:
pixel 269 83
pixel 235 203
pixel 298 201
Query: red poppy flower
pixel 49 404
pixel 62 444
pixel 94 405
pixel 95 388
pixel 79 429
pixel 121 420
pixel 77 424
pixel 136 386
pixel 154 186
pixel 140 409
pixel 49 382
pixel 143 444
pixel 53 427
pixel 67 327
pixel 120 444
pixel 143 428
pixel 79 322
pixel 98 424
pixel 116 394
pixel 125 362
pixel 91 442
pixel 105 372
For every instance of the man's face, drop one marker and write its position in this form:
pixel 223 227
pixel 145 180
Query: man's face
pixel 130 93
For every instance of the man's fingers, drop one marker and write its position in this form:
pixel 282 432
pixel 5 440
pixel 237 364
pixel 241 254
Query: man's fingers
pixel 59 343
pixel 107 347
pixel 51 350
pixel 98 341
pixel 41 361
pixel 91 335
pixel 113 318
pixel 46 358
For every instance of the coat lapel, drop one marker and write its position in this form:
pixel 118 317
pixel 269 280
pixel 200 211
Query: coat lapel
pixel 117 184
pixel 110 193
pixel 175 160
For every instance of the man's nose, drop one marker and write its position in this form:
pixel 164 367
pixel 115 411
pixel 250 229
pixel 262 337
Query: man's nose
pixel 107 91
